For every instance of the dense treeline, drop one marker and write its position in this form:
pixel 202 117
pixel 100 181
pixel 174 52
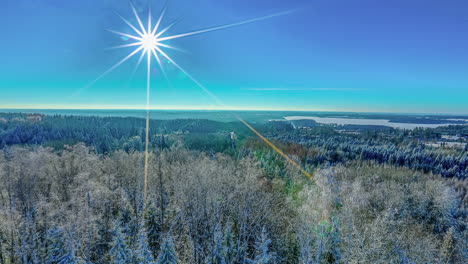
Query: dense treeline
pixel 395 149
pixel 104 134
pixel 76 206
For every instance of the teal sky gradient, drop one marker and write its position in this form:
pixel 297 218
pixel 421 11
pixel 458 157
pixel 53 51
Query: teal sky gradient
pixel 328 55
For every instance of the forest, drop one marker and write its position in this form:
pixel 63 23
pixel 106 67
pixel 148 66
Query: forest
pixel 70 192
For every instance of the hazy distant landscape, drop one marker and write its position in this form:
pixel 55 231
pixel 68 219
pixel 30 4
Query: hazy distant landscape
pixel 264 116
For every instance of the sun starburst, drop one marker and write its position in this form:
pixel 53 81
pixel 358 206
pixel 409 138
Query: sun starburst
pixel 148 40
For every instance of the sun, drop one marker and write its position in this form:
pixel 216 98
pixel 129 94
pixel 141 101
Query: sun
pixel 149 42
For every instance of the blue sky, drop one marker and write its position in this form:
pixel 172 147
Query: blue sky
pixel 331 55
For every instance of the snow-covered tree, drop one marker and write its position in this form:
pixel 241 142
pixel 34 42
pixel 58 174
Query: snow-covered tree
pixel 262 254
pixel 143 252
pixel 62 247
pixel 167 254
pixel 29 241
pixel 120 252
pixel 154 229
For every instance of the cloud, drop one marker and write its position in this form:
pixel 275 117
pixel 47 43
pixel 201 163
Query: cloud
pixel 305 89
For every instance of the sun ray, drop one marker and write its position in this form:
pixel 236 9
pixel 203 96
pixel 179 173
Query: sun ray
pixel 275 148
pixel 137 65
pixel 138 19
pixel 148 86
pixel 161 66
pixel 125 46
pixel 170 47
pixel 224 26
pixel 130 24
pixel 156 27
pixel 125 35
pixel 149 21
pixel 165 29
pixel 157 58
pixel 190 76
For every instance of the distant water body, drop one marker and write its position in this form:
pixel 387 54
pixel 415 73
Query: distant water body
pixel 365 122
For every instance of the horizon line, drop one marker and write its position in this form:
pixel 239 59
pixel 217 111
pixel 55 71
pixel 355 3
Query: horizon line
pixel 230 109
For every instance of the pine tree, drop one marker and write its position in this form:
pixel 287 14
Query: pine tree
pixel 120 253
pixel 104 236
pixel 154 230
pixel 143 253
pixel 62 247
pixel 167 252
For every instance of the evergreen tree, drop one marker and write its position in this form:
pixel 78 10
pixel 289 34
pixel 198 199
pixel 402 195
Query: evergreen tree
pixel 167 252
pixel 120 253
pixel 62 247
pixel 105 236
pixel 154 230
pixel 143 252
